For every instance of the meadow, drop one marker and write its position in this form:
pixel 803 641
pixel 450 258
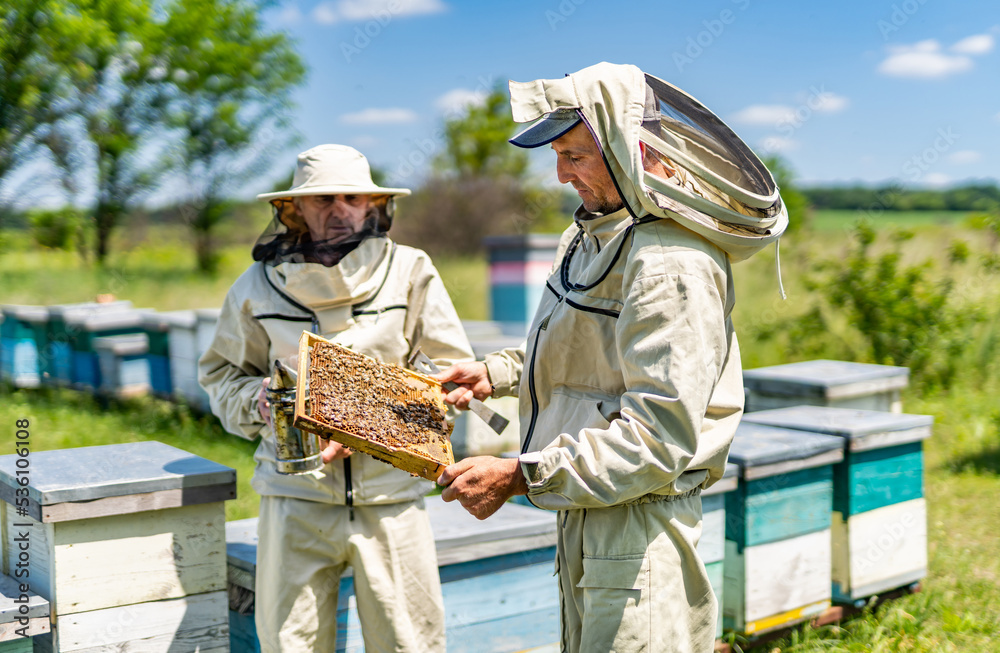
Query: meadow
pixel 958 608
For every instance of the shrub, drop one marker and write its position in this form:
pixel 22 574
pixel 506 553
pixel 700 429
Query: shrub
pixel 57 229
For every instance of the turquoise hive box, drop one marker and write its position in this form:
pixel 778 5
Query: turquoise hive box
pixel 841 384
pixel 519 266
pixel 497 579
pixel 880 514
pixel 22 330
pixel 778 547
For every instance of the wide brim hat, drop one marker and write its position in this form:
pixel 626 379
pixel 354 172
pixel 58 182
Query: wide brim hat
pixel 333 170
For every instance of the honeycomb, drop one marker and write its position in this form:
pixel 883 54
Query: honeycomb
pixel 390 413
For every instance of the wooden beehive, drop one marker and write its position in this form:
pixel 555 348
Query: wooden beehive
pixel 392 414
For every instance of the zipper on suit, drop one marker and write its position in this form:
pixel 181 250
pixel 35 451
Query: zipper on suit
pixel 349 493
pixel 532 396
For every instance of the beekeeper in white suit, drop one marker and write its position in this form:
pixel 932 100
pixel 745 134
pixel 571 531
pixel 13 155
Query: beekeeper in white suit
pixel 325 264
pixel 629 382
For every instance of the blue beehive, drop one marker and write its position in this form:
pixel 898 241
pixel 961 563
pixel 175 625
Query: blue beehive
pixel 496 577
pixel 519 266
pixel 841 384
pixel 22 329
pixel 124 364
pixel 84 327
pixel 880 515
pixel 58 359
pixel 777 565
pixel 712 545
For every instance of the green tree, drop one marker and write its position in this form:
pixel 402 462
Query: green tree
pixel 795 202
pixel 114 55
pixel 29 78
pixel 232 81
pixel 475 143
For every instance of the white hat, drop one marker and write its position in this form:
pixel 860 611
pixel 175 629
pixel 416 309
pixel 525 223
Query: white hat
pixel 333 170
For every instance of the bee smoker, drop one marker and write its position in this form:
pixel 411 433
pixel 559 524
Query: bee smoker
pixel 298 451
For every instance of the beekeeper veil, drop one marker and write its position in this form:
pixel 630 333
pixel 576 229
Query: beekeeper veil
pixel 669 156
pixel 325 170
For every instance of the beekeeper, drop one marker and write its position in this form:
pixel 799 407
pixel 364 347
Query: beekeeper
pixel 629 382
pixel 326 264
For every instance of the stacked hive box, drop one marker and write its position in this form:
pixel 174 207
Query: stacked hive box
pixel 22 329
pixel 880 515
pixel 712 545
pixel 206 321
pixel 496 578
pixel 126 543
pixel 182 342
pixel 23 615
pixel 59 359
pixel 157 329
pixel 826 383
pixel 124 364
pixel 519 266
pixel 84 327
pixel 778 555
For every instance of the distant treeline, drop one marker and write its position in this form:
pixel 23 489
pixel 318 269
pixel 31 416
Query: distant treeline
pixel 983 197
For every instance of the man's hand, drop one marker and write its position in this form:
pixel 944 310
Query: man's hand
pixel 473 381
pixel 333 450
pixel 263 407
pixel 482 484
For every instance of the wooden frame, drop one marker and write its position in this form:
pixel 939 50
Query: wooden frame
pixel 424 460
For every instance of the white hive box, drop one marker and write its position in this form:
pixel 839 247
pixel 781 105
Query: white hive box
pixel 124 364
pixel 712 545
pixel 127 543
pixel 840 384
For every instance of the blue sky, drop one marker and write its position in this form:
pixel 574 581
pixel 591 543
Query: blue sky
pixel 875 91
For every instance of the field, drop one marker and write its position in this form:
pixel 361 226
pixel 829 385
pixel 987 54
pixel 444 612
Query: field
pixel 959 607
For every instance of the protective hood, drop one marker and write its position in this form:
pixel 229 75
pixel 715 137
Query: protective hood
pixel 691 167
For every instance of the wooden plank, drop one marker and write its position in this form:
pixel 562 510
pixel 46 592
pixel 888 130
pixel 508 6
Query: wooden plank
pixel 146 556
pixel 880 549
pixel 133 503
pixel 530 630
pixel 183 625
pixel 888 401
pixel 39 554
pixel 12 631
pixel 778 578
pixel 780 507
pixel 17 600
pixel 872 479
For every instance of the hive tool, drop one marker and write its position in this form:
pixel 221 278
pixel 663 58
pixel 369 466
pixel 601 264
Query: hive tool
pixel 494 420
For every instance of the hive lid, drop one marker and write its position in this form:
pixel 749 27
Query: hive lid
pixel 60 311
pixel 107 320
pixel 10 610
pixel 763 451
pixel 825 378
pixel 861 429
pixel 131 344
pixel 164 321
pixel 458 536
pixel 72 483
pixel 207 314
pixel 729 481
pixel 34 314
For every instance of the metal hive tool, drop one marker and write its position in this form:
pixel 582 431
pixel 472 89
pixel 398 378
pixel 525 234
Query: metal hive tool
pixel 392 414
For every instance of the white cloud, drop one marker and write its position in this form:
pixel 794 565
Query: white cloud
pixel 827 102
pixel 458 99
pixel 289 15
pixel 774 144
pixel 325 13
pixel 936 179
pixel 964 157
pixel 373 116
pixel 997 117
pixel 926 59
pixel 765 114
pixel 976 44
pixel 331 12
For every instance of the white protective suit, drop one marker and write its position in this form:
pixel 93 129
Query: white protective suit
pixel 383 300
pixel 630 383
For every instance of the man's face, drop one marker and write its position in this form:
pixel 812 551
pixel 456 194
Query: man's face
pixel 579 162
pixel 333 218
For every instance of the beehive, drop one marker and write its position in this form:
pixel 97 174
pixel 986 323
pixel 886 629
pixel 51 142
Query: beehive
pixel 390 413
pixel 712 545
pixel 841 384
pixel 879 511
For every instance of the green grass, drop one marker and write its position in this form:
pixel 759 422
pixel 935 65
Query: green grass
pixel 959 607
